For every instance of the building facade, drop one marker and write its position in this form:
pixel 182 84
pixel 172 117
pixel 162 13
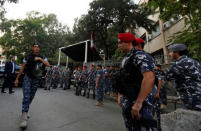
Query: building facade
pixel 157 41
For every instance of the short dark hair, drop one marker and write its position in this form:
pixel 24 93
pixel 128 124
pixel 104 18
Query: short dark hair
pixel 158 65
pixel 184 52
pixel 99 66
pixel 135 44
pixel 36 43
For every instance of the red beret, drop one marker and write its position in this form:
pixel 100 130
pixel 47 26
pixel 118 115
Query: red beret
pixel 139 40
pixel 126 37
pixel 85 66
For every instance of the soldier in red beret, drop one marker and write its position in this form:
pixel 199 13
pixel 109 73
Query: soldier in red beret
pixel 138 43
pixel 134 84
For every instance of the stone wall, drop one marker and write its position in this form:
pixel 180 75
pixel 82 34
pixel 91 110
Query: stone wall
pixel 181 120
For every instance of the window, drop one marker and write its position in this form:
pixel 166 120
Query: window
pixel 155 32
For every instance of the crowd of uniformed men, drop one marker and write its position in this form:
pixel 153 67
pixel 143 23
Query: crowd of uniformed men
pixel 138 82
pixel 95 80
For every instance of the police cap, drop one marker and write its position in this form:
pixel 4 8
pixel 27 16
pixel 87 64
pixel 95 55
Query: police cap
pixel 177 47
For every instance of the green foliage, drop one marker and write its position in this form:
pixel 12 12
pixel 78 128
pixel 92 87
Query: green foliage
pixel 118 55
pixel 19 35
pixel 192 40
pixel 191 12
pixel 106 18
pixel 2 2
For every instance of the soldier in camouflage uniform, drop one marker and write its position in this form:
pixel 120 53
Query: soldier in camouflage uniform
pixel 48 77
pixel 187 75
pixel 65 75
pixel 60 79
pixel 135 83
pixel 83 79
pixel 107 83
pixel 77 75
pixel 69 78
pixel 99 85
pixel 55 78
pixel 115 76
pixel 112 80
pixel 161 91
pixel 91 81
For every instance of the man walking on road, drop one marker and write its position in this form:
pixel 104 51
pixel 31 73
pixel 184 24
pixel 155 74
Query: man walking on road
pixel 33 66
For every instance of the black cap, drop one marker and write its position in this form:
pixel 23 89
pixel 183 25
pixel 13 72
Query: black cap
pixel 177 47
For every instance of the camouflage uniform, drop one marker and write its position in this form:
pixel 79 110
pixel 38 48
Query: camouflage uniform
pixel 83 83
pixel 91 82
pixel 159 74
pixel 144 63
pixel 55 79
pixel 69 78
pixel 48 79
pixel 31 82
pixel 113 81
pixel 106 81
pixel 100 74
pixel 77 75
pixel 187 75
pixel 64 83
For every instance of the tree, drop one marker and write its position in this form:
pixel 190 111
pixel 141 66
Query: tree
pixel 19 35
pixel 2 2
pixel 106 18
pixel 191 12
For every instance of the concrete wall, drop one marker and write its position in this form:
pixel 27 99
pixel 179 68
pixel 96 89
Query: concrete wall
pixel 181 120
pixel 178 26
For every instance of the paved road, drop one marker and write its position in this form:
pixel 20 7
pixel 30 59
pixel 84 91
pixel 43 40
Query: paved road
pixel 59 110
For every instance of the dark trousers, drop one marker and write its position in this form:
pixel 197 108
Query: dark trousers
pixel 30 86
pixel 8 82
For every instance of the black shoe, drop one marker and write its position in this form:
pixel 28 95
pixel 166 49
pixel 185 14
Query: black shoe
pixel 94 96
pixel 3 92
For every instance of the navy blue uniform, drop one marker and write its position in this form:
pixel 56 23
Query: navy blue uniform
pixel 33 73
pixel 134 64
pixel 91 82
pixel 100 74
pixel 187 75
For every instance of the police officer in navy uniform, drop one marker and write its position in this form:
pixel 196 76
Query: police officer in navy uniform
pixel 187 75
pixel 83 78
pixel 91 80
pixel 135 83
pixel 161 90
pixel 99 84
pixel 48 77
pixel 33 67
